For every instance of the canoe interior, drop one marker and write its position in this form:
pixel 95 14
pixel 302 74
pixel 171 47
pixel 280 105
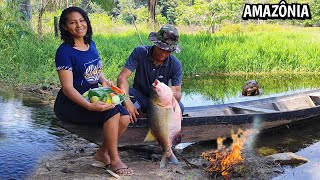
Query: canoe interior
pixel 204 123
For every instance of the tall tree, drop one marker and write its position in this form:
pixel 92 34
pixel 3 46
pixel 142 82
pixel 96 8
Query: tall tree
pixel 152 9
pixel 42 8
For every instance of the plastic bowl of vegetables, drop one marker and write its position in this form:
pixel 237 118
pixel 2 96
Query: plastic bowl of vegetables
pixel 113 95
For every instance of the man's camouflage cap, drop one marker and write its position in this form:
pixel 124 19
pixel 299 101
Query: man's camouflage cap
pixel 166 38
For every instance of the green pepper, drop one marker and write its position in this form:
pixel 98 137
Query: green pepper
pixel 85 94
pixel 93 93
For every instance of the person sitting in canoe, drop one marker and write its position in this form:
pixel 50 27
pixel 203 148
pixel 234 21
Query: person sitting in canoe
pixel 150 63
pixel 79 68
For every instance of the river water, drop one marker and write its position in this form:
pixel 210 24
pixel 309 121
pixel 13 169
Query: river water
pixel 303 140
pixel 26 135
pixel 28 131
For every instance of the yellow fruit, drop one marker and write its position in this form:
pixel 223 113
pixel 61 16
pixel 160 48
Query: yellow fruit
pixel 104 99
pixel 109 100
pixel 94 99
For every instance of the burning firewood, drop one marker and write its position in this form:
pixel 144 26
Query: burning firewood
pixel 223 160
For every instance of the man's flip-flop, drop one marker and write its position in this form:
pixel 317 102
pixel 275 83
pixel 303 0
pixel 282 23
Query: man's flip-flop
pixel 100 164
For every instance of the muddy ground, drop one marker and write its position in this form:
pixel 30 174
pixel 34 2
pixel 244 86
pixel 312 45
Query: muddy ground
pixel 74 161
pixel 74 157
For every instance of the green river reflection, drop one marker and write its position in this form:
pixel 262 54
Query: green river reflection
pixel 219 89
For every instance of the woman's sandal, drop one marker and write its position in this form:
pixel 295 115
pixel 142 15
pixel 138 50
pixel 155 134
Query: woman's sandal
pixel 116 172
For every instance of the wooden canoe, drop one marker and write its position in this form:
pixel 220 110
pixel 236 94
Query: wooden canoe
pixel 205 123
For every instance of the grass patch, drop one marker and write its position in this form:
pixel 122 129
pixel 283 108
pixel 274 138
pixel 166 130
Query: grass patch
pixel 29 60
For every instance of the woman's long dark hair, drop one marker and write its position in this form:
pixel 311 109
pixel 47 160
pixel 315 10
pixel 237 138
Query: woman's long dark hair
pixel 65 35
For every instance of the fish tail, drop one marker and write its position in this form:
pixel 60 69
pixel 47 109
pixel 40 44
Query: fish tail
pixel 168 158
pixel 150 136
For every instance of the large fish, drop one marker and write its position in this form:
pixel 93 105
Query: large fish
pixel 164 116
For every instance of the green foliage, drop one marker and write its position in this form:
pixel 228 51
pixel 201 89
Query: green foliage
pixel 107 5
pixel 127 11
pixel 12 25
pixel 142 15
pixel 94 7
pixel 115 49
pixel 132 12
pixel 168 10
pixel 47 20
pixel 104 20
pixel 126 17
pixel 207 14
pixel 31 61
pixel 315 12
pixel 213 13
pixel 285 50
pixel 27 59
pixel 161 19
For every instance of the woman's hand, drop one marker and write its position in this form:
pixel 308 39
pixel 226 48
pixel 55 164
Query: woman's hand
pixel 100 106
pixel 107 83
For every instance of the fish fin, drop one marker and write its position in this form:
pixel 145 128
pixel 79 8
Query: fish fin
pixel 150 136
pixel 168 158
pixel 177 139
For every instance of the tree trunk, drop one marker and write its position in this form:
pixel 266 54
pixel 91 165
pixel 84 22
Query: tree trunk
pixel 56 26
pixel 152 10
pixel 41 11
pixel 26 9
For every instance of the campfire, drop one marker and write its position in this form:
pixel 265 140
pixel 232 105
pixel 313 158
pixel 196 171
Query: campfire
pixel 224 160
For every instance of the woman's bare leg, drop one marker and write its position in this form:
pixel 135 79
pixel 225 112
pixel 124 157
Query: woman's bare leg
pixel 102 154
pixel 111 134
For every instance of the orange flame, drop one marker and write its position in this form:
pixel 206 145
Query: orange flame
pixel 223 160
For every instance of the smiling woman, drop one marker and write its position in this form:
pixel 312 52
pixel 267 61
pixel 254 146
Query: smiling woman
pixel 79 68
pixel 76 25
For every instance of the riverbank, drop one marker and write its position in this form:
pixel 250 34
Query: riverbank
pixel 75 158
pixel 75 155
pixel 74 161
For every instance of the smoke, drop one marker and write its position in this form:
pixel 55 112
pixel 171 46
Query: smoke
pixel 255 130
